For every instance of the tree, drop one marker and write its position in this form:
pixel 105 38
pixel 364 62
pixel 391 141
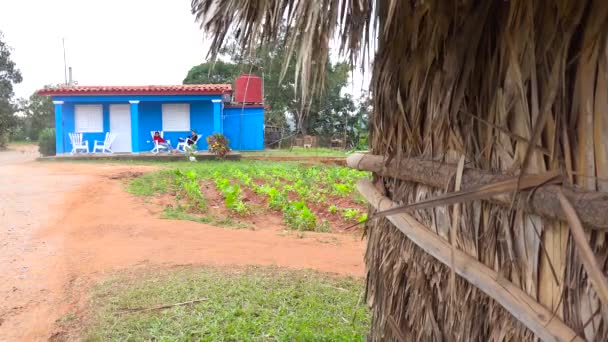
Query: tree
pixel 212 73
pixel 9 75
pixel 280 89
pixel 38 114
pixel 328 113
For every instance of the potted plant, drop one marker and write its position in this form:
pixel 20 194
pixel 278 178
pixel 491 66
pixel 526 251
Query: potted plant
pixel 218 145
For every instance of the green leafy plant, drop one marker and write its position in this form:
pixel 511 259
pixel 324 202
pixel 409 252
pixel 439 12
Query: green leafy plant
pixel 276 199
pixel 350 214
pixel 341 190
pixel 187 186
pixel 332 209
pixel 262 189
pixel 232 195
pixel 218 145
pixel 362 218
pixel 298 216
pixel 46 142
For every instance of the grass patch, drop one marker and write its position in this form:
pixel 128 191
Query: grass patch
pixel 23 142
pixel 150 183
pixel 249 304
pixel 179 213
pixel 230 222
pixel 66 319
pixel 298 152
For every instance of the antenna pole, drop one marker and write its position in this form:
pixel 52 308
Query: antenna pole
pixel 65 65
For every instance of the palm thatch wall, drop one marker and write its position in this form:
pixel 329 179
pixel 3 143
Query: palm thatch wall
pixel 516 87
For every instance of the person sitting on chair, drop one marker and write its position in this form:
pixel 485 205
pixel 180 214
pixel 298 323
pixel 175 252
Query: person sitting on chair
pixel 161 141
pixel 191 139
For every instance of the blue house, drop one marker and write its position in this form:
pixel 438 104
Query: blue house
pixel 132 112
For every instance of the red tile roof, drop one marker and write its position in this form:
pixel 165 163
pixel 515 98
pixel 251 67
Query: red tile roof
pixel 185 89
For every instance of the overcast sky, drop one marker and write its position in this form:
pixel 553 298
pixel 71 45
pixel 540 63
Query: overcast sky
pixel 109 42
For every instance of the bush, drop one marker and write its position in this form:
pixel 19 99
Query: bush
pixel 46 142
pixel 218 145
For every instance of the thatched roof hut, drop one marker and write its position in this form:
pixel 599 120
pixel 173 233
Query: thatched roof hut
pixel 517 90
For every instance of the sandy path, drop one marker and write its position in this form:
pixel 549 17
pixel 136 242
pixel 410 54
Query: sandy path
pixel 65 226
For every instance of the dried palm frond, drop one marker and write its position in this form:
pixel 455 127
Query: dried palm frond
pixel 311 26
pixel 517 87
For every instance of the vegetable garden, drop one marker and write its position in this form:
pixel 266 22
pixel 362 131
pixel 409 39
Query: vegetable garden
pixel 309 198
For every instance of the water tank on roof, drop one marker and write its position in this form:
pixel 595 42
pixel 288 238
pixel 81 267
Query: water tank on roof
pixel 249 89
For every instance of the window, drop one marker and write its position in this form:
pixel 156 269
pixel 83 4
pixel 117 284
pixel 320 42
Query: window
pixel 88 118
pixel 176 117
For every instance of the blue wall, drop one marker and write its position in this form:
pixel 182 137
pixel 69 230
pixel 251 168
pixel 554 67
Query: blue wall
pixel 69 126
pixel 150 119
pixel 253 128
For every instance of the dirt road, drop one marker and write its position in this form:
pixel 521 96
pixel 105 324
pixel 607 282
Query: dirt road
pixel 65 226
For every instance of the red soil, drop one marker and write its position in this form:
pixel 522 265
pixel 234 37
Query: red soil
pixel 65 226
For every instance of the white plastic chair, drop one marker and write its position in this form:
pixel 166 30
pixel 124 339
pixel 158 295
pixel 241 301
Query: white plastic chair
pixel 106 144
pixel 157 148
pixel 181 146
pixel 78 144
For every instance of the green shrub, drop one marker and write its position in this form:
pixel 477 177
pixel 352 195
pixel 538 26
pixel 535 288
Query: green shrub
pixel 46 142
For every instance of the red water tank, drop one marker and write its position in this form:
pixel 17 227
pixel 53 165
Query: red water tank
pixel 249 89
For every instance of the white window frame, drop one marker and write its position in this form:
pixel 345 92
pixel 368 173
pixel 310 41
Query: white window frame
pixel 88 118
pixel 176 117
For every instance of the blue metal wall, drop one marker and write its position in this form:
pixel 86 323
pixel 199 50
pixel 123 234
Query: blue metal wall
pixel 251 137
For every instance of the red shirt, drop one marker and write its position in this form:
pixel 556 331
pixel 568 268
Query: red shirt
pixel 159 139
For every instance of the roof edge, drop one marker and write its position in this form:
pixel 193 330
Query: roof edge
pixel 246 105
pixel 198 89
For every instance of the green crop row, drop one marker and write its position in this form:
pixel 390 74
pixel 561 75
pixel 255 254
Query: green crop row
pixel 232 195
pixel 188 188
pixel 295 213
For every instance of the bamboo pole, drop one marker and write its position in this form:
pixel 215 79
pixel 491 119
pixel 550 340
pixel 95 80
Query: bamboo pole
pixel 594 271
pixel 592 206
pixel 529 312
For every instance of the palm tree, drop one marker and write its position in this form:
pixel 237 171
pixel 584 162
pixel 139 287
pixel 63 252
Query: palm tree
pixel 516 87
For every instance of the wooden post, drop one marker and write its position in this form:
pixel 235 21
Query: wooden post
pixel 591 206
